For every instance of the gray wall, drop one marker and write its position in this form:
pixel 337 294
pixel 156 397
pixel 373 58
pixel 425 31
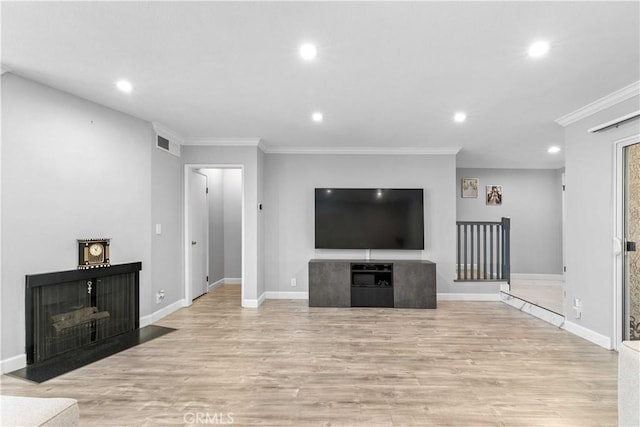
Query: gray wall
pixel 532 198
pixel 216 224
pixel 232 223
pixel 289 209
pixel 166 209
pixel 70 169
pixel 248 158
pixel 590 215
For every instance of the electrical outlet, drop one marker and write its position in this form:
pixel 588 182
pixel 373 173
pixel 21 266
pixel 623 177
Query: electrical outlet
pixel 293 282
pixel 577 308
pixel 160 296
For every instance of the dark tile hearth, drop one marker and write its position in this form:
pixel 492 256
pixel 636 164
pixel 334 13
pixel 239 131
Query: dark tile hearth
pixel 51 368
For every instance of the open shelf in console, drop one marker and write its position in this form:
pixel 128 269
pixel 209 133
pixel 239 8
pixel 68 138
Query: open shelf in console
pixel 371 285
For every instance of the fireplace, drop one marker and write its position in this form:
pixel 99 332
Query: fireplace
pixel 69 311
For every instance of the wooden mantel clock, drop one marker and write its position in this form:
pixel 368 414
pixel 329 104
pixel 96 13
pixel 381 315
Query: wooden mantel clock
pixel 93 253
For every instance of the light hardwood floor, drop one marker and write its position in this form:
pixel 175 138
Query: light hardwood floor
pixel 285 364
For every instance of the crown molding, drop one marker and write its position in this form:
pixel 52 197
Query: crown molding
pixel 224 142
pixel 168 133
pixel 603 103
pixel 363 150
pixel 262 146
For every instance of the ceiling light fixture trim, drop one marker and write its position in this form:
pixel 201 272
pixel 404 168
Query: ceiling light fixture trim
pixel 460 117
pixel 308 51
pixel 124 86
pixel 539 49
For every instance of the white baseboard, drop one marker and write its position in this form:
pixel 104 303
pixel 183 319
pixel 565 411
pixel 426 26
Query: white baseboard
pixel 253 303
pixel 559 321
pixel 232 280
pixel 146 320
pixel 214 285
pixel 13 363
pixel 526 307
pixel 163 312
pixel 250 303
pixel 526 276
pixel 286 295
pixel 468 297
pixel 588 334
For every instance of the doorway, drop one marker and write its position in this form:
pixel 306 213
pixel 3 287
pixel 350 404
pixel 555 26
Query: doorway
pixel 196 210
pixel 225 227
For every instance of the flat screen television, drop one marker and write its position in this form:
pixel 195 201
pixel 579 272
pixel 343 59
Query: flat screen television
pixel 369 218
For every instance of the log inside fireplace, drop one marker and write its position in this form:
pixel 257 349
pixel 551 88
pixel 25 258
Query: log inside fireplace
pixel 68 311
pixel 65 323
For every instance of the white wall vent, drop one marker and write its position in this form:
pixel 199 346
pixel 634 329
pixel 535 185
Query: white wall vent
pixel 163 143
pixel 167 140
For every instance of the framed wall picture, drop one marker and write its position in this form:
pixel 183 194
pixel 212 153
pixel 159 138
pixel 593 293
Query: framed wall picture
pixel 494 195
pixel 470 187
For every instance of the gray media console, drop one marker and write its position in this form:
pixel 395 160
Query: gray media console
pixel 372 283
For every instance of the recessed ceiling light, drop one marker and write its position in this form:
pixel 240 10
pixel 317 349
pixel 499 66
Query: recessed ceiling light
pixel 317 117
pixel 124 86
pixel 460 117
pixel 538 49
pixel 308 51
pixel 554 150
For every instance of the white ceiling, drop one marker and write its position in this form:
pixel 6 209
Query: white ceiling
pixel 388 74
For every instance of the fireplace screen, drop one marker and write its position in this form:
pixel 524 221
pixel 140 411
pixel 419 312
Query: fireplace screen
pixel 70 315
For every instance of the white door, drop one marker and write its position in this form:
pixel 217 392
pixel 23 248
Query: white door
pixel 198 239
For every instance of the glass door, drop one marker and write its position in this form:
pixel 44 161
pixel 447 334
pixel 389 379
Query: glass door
pixel 631 263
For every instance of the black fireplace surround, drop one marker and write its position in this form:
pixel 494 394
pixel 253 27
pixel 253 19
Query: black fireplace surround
pixel 68 311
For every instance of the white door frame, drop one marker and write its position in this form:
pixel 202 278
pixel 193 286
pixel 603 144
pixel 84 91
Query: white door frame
pixel 618 237
pixel 187 242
